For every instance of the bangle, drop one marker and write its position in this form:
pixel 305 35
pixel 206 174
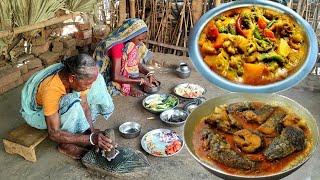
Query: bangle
pixel 141 81
pixel 90 139
pixel 150 73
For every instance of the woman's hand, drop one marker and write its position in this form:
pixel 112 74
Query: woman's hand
pixel 153 81
pixel 102 141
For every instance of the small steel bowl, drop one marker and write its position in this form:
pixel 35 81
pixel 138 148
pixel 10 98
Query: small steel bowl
pixel 130 130
pixel 151 90
pixel 174 117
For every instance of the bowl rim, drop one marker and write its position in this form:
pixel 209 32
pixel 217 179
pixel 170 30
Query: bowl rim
pixel 292 80
pixel 223 173
pixel 129 122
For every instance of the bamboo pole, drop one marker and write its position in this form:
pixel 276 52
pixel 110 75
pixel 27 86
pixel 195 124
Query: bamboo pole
pixel 182 14
pixel 39 25
pixel 143 9
pixel 132 4
pixel 299 7
pixel 122 11
pixel 196 10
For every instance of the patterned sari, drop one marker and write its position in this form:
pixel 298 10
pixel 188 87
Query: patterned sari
pixel 123 34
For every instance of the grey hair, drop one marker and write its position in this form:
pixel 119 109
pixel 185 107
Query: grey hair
pixel 81 66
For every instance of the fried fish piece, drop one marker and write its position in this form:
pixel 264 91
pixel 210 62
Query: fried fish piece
pixel 247 141
pixel 273 124
pixel 221 151
pixel 291 139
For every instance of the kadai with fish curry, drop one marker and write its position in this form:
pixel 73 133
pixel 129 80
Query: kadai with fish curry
pixel 252 138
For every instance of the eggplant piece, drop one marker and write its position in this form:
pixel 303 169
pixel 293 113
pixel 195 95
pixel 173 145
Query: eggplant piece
pixel 273 124
pixel 247 141
pixel 291 139
pixel 221 151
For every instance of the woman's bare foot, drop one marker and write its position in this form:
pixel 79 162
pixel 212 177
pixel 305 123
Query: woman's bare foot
pixel 72 150
pixel 136 92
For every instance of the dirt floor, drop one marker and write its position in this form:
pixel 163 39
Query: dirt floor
pixel 53 165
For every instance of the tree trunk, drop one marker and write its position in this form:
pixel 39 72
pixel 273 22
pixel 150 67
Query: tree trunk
pixel 122 11
pixel 197 6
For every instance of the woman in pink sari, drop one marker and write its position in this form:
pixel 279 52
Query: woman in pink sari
pixel 121 57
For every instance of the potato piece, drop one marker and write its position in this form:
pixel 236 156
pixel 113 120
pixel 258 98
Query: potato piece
pixel 292 120
pixel 283 48
pixel 207 47
pixel 253 73
pixel 202 39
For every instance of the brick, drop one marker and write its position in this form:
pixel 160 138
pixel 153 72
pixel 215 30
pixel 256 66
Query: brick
pixel 10 86
pixel 34 63
pixel 9 76
pixel 23 68
pixel 84 42
pixel 70 52
pixel 83 26
pixel 49 58
pixel 26 76
pixel 37 50
pixel 83 34
pixel 70 43
pixel 25 57
pixel 57 46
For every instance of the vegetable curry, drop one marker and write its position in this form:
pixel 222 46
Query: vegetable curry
pixel 253 45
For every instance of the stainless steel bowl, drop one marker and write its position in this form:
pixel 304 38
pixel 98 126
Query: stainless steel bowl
pixel 206 108
pixel 174 117
pixel 151 90
pixel 130 129
pixel 224 83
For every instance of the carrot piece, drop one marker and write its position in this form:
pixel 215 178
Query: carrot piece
pixel 269 34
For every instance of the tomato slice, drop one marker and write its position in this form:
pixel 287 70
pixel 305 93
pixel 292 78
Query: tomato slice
pixel 262 24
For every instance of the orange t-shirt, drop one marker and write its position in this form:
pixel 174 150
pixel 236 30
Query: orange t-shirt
pixel 50 91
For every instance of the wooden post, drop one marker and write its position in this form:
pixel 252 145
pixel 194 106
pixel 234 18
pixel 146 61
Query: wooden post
pixel 196 10
pixel 122 11
pixel 39 25
pixel 217 3
pixel 132 8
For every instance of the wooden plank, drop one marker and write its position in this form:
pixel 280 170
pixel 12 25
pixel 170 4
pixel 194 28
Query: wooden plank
pixel 167 45
pixel 27 136
pixel 39 25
